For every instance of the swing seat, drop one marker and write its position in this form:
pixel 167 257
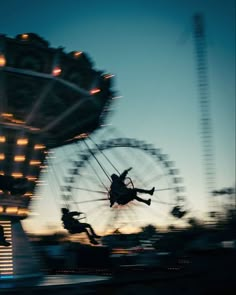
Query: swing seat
pixel 125 199
pixel 75 230
pixel 178 212
pixel 122 198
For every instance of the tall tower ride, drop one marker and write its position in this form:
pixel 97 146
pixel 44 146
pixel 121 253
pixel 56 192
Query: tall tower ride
pixel 205 112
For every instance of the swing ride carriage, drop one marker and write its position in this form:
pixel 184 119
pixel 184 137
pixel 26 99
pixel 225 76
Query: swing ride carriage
pixel 48 99
pixel 54 101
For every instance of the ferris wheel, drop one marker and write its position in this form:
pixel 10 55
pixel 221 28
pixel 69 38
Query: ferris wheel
pixel 87 181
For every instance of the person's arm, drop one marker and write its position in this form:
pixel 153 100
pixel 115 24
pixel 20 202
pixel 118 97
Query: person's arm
pixel 75 213
pixel 124 174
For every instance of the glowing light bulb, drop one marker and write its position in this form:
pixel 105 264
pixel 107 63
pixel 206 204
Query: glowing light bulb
pixel 108 76
pixel 2 139
pixel 22 141
pixel 2 60
pixel 25 36
pixel 56 71
pixel 19 158
pixel 17 174
pixel 35 162
pixel 39 147
pixel 95 90
pixel 77 53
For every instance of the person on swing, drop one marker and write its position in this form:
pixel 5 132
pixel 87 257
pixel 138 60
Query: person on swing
pixel 3 241
pixel 73 225
pixel 121 194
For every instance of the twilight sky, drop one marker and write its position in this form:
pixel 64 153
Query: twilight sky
pixel 148 46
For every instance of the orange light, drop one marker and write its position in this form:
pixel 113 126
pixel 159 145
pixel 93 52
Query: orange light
pixel 1 209
pixel 108 76
pixel 2 139
pixel 11 209
pixel 17 174
pixel 19 158
pixel 35 162
pixel 44 167
pixel 31 178
pixel 25 36
pixel 39 147
pixel 34 129
pixel 2 157
pixel 6 115
pixel 82 135
pixel 28 194
pixel 77 53
pixel 56 71
pixel 95 90
pixel 23 211
pixel 22 141
pixel 17 121
pixel 2 60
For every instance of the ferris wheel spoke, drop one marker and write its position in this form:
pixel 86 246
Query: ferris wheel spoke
pixel 96 209
pixel 92 181
pixel 155 178
pixel 125 162
pixel 89 190
pixel 163 202
pixel 154 214
pixel 99 179
pixel 111 220
pixel 158 212
pixel 91 201
pixel 133 216
pixel 165 189
pixel 119 159
pixel 90 177
pixel 99 217
pixel 146 171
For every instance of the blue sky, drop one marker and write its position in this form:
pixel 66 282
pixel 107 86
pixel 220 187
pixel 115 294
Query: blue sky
pixel 149 47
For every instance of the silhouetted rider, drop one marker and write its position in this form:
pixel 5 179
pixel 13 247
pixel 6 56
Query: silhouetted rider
pixel 73 225
pixel 3 241
pixel 121 194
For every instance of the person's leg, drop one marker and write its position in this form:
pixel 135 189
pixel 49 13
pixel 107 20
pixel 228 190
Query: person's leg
pixel 112 199
pixel 150 192
pixel 86 225
pixel 147 202
pixel 91 237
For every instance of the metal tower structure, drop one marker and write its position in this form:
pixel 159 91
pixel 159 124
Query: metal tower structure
pixel 200 43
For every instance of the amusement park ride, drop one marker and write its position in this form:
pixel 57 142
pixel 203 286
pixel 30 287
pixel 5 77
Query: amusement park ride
pixel 50 99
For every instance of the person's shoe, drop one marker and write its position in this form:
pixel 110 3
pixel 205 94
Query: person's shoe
pixel 93 241
pixel 111 203
pixel 149 202
pixel 4 243
pixel 152 191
